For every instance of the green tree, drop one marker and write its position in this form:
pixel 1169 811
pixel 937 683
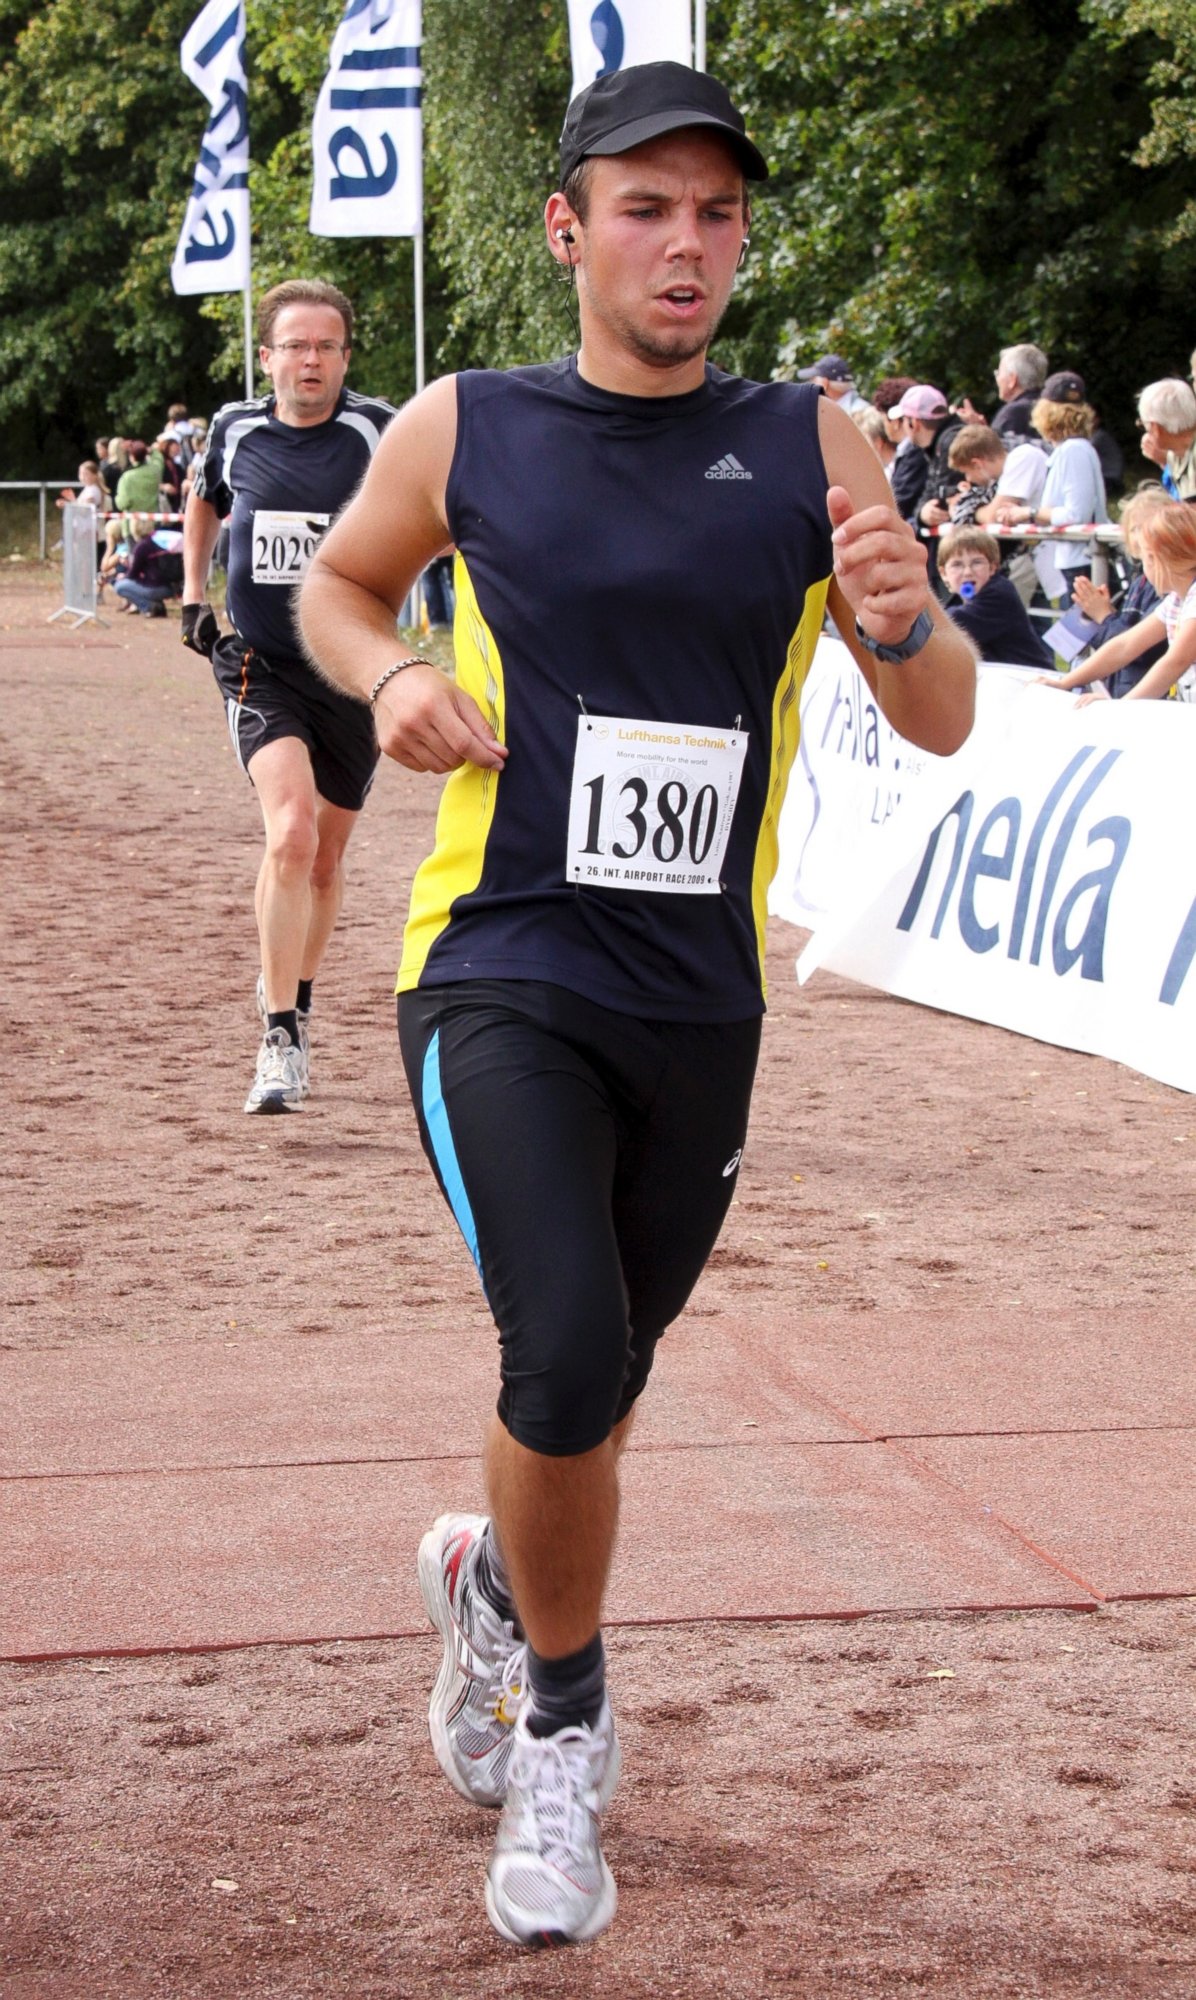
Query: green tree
pixel 103 133
pixel 1171 140
pixel 497 76
pixel 950 179
pixel 90 104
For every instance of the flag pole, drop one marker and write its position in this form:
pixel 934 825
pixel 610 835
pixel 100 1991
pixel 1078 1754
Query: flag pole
pixel 247 296
pixel 416 611
pixel 420 368
pixel 699 34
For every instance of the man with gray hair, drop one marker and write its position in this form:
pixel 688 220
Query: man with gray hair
pixel 1167 415
pixel 1020 373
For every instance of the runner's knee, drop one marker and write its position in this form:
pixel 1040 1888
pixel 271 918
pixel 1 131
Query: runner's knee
pixel 561 1391
pixel 326 867
pixel 291 839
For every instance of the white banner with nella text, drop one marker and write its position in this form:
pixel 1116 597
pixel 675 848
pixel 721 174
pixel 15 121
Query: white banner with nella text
pixel 1043 878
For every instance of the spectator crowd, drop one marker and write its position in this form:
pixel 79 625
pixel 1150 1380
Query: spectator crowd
pixel 966 481
pixel 139 492
pixel 1043 463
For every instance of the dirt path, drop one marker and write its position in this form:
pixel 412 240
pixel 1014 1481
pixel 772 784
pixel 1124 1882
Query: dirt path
pixel 811 1809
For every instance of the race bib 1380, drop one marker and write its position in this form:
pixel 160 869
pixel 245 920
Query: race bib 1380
pixel 651 804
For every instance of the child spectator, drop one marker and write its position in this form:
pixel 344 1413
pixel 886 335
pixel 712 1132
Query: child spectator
pixel 978 455
pixel 983 602
pixel 1141 597
pixel 90 489
pixel 1166 536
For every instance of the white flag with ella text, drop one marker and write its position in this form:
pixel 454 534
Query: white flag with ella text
pixel 615 34
pixel 367 157
pixel 212 254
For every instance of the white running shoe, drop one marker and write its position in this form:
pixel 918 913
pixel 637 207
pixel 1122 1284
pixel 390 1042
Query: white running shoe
pixel 278 1084
pixel 480 1688
pixel 304 1020
pixel 548 1882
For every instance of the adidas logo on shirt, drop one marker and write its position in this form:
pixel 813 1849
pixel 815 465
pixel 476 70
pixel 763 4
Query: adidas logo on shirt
pixel 728 468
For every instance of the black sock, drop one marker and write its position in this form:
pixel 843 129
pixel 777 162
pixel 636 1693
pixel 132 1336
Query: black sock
pixel 285 1020
pixel 492 1578
pixel 303 1003
pixel 566 1693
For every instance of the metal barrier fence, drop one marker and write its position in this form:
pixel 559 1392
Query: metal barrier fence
pixel 79 551
pixel 41 487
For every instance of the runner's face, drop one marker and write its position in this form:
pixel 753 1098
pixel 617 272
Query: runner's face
pixel 657 254
pixel 308 381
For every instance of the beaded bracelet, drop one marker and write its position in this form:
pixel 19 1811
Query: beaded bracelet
pixel 412 660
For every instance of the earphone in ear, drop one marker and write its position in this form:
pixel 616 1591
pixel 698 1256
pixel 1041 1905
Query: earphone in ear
pixel 565 235
pixel 743 250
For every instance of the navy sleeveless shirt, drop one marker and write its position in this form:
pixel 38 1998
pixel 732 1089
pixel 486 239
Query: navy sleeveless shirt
pixel 660 559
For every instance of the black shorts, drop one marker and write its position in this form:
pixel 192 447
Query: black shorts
pixel 267 699
pixel 590 1159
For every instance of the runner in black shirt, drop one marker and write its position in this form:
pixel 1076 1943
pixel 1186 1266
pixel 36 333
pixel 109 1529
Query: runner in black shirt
pixel 645 548
pixel 280 468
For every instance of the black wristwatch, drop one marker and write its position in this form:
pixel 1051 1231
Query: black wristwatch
pixel 919 632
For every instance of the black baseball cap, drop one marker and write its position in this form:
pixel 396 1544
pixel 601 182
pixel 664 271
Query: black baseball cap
pixel 622 110
pixel 832 368
pixel 1065 387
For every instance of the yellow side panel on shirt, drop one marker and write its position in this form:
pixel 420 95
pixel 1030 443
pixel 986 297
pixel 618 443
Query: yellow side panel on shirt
pixel 786 728
pixel 454 867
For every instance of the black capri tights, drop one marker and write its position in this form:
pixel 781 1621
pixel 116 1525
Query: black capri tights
pixel 589 1159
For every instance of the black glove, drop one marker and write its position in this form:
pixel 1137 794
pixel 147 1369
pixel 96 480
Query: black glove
pixel 200 630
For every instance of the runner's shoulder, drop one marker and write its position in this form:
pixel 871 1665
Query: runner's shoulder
pixel 792 400
pixel 373 409
pixel 248 410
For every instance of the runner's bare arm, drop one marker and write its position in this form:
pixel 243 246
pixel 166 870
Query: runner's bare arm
pixel 880 577
pixel 201 528
pixel 360 575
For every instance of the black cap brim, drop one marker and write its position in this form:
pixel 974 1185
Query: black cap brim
pixel 640 130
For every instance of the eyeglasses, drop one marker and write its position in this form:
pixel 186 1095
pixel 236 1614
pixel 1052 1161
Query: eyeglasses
pixel 963 563
pixel 294 348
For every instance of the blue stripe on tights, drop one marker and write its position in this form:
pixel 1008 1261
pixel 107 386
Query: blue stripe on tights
pixel 440 1133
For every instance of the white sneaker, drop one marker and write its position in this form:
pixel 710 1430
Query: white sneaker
pixel 547 1882
pixel 479 1689
pixel 304 1021
pixel 278 1084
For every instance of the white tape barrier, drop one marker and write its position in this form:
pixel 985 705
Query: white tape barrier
pixel 1042 879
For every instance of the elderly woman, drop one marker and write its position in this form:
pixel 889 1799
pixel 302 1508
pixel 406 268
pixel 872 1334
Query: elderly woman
pixel 1074 492
pixel 1167 414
